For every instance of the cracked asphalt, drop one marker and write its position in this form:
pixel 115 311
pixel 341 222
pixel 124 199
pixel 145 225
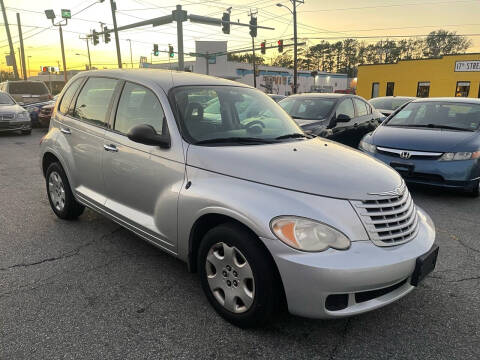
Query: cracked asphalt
pixel 89 289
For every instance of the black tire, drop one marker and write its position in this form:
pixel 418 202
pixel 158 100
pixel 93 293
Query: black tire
pixel 71 209
pixel 475 192
pixel 267 288
pixel 26 132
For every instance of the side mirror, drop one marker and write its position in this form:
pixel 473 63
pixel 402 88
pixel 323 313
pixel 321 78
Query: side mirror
pixel 146 134
pixel 343 118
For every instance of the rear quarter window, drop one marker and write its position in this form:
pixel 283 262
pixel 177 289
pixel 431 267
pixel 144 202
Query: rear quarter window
pixel 28 87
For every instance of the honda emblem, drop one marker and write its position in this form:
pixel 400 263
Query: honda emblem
pixel 405 155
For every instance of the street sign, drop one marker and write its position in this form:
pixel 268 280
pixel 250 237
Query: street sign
pixel 66 14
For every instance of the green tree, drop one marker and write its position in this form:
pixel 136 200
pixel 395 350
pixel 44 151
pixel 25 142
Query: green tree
pixel 283 60
pixel 444 42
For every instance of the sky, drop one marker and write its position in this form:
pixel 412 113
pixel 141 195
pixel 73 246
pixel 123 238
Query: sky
pixel 331 20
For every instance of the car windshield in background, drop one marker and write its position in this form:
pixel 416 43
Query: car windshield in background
pixel 229 114
pixel 6 100
pixel 308 108
pixel 389 103
pixel 28 87
pixel 436 114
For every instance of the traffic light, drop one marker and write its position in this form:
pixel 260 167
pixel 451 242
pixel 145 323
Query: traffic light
pixel 155 49
pixel 226 25
pixel 106 35
pixel 280 46
pixel 262 47
pixel 253 26
pixel 170 51
pixel 94 37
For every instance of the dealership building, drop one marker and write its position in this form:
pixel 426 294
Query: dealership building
pixel 449 75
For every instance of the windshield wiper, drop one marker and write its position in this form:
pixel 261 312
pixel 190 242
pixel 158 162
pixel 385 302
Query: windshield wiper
pixel 434 126
pixel 239 140
pixel 291 136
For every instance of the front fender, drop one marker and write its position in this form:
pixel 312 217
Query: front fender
pixel 255 205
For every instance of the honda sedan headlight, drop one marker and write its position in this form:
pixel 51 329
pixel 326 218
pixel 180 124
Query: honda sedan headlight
pixel 367 147
pixel 460 156
pixel 308 235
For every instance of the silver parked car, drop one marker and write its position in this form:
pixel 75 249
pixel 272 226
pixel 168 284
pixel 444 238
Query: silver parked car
pixel 13 117
pixel 266 215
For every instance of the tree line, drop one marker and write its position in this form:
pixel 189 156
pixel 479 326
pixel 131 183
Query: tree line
pixel 345 56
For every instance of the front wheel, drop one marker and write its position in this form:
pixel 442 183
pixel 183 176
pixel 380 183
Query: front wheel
pixel 238 276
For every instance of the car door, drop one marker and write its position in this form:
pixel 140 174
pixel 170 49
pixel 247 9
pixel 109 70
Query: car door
pixel 142 182
pixel 83 129
pixel 364 120
pixel 342 130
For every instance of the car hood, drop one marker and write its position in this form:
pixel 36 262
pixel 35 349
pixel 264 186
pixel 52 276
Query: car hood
pixel 316 166
pixel 10 109
pixel 439 140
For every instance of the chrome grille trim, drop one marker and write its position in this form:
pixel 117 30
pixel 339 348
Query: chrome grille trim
pixel 389 221
pixel 7 116
pixel 412 153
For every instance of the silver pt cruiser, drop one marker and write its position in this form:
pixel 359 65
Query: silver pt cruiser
pixel 217 174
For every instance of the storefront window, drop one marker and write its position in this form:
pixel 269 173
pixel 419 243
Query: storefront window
pixel 463 88
pixel 423 89
pixel 375 86
pixel 390 88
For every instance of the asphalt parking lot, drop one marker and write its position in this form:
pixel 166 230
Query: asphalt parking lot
pixel 89 289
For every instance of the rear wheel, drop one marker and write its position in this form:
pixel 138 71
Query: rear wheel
pixel 60 196
pixel 26 132
pixel 238 276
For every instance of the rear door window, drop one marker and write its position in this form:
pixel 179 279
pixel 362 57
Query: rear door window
pixel 346 108
pixel 28 87
pixel 94 99
pixel 362 107
pixel 138 105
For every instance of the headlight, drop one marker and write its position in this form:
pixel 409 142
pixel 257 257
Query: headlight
pixel 308 235
pixel 23 116
pixel 460 156
pixel 367 147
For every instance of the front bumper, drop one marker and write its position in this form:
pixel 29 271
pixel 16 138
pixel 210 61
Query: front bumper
pixel 15 125
pixel 449 174
pixel 310 278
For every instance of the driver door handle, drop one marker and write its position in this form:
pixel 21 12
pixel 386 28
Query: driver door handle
pixel 65 130
pixel 110 147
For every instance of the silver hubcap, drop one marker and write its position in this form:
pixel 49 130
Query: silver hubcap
pixel 230 277
pixel 56 190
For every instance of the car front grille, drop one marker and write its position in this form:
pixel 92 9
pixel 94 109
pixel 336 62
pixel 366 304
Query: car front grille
pixel 389 221
pixel 7 116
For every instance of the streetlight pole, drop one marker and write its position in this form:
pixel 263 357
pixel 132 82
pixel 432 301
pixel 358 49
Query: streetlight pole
pixel 65 16
pixel 131 58
pixel 113 7
pixel 28 65
pixel 295 59
pixel 63 54
pixel 88 52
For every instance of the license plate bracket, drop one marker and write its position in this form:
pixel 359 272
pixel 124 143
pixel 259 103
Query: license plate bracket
pixel 424 265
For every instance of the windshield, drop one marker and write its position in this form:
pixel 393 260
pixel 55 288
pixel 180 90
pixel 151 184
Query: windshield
pixel 5 99
pixel 220 113
pixel 308 108
pixel 461 116
pixel 389 103
pixel 28 87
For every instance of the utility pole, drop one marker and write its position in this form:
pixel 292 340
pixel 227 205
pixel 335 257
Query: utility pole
pixel 9 37
pixel 131 58
pixel 20 73
pixel 295 59
pixel 113 7
pixel 22 52
pixel 253 34
pixel 180 16
pixel 254 65
pixel 88 52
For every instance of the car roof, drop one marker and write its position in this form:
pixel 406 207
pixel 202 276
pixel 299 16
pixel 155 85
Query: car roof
pixel 322 95
pixel 450 99
pixel 393 97
pixel 166 79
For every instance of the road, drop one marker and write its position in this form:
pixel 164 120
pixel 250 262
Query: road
pixel 89 289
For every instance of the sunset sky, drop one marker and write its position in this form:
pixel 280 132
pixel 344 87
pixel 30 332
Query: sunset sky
pixel 331 20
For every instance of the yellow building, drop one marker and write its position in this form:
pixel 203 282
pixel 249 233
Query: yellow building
pixel 450 75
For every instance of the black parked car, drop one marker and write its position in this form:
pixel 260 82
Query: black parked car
pixel 344 118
